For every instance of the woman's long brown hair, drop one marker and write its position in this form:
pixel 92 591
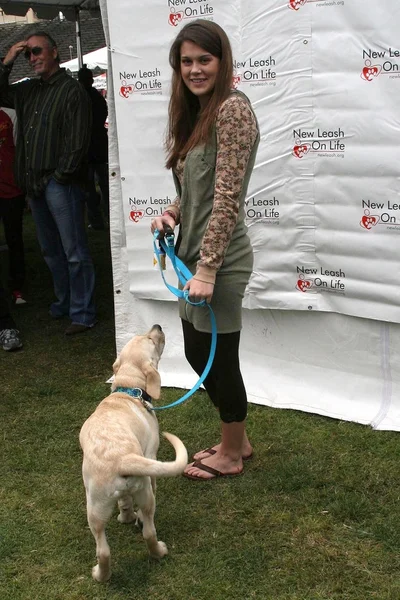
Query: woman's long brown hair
pixel 187 127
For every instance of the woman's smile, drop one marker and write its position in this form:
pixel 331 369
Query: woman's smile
pixel 199 70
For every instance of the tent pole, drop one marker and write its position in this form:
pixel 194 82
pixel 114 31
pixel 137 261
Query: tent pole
pixel 78 37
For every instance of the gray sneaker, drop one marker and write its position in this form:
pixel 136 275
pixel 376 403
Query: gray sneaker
pixel 9 339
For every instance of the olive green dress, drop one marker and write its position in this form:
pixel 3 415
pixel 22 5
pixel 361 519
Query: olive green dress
pixel 211 184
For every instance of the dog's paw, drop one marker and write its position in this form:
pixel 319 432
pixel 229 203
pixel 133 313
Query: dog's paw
pixel 160 550
pixel 126 516
pixel 100 577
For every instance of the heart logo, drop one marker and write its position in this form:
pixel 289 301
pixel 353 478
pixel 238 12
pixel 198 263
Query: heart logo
pixel 370 72
pixel 295 4
pixel 301 150
pixel 235 81
pixel 136 215
pixel 369 221
pixel 125 91
pixel 174 18
pixel 303 285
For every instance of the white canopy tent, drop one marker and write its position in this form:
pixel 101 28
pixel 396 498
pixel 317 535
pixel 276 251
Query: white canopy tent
pixel 47 9
pixel 97 58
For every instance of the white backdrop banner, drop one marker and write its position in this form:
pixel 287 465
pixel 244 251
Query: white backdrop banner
pixel 323 203
pixel 323 208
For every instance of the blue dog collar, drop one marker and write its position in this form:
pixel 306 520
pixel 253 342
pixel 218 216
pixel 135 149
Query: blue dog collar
pixel 137 393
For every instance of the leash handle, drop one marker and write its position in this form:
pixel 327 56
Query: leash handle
pixel 181 270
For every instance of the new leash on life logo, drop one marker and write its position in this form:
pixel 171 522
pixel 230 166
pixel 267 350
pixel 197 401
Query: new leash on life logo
pixel 166 248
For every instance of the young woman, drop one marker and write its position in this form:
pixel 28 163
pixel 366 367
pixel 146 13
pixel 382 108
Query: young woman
pixel 211 147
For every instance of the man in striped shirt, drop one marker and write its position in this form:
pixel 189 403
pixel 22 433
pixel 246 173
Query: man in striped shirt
pixel 54 123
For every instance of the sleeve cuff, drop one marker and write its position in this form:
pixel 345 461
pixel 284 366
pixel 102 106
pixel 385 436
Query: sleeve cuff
pixel 205 274
pixel 6 68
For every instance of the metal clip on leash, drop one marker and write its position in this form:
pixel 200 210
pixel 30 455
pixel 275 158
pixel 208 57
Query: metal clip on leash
pixel 166 248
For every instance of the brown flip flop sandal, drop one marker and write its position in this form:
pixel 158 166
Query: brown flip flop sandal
pixel 211 452
pixel 199 465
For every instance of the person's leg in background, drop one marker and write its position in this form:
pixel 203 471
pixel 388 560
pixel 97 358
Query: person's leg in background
pixel 9 334
pixel 53 254
pixel 103 181
pixel 95 216
pixel 12 213
pixel 65 203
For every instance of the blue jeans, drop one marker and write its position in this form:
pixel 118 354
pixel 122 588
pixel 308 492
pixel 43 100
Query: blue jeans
pixel 58 215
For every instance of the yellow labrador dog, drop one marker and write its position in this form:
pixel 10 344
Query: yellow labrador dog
pixel 120 442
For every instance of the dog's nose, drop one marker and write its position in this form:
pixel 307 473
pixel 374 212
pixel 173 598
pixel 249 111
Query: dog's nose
pixel 157 327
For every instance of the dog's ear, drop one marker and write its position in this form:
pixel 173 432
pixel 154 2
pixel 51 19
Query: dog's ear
pixel 153 381
pixel 116 365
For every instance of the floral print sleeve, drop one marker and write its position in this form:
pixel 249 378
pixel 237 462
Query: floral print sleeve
pixel 237 132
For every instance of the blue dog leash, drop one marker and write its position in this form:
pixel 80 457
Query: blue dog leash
pixel 167 248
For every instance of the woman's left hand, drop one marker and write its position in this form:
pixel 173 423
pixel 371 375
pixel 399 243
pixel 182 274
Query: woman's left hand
pixel 199 290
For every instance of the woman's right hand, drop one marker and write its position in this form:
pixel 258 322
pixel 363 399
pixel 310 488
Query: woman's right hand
pixel 159 224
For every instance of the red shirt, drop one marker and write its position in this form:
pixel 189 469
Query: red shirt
pixel 8 187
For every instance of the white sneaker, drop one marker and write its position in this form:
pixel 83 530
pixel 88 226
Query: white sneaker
pixel 9 339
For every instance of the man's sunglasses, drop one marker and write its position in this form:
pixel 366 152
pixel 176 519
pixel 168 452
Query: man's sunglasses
pixel 36 50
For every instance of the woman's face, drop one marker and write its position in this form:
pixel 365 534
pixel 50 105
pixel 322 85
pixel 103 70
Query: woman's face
pixel 199 70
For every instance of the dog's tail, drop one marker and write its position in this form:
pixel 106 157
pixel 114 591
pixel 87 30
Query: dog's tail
pixel 134 465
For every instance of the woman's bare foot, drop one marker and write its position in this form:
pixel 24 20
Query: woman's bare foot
pixel 247 452
pixel 219 465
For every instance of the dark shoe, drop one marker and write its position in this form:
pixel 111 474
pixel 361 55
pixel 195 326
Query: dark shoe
pixel 75 328
pixel 9 339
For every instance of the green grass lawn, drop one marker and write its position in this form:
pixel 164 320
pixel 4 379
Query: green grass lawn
pixel 315 516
